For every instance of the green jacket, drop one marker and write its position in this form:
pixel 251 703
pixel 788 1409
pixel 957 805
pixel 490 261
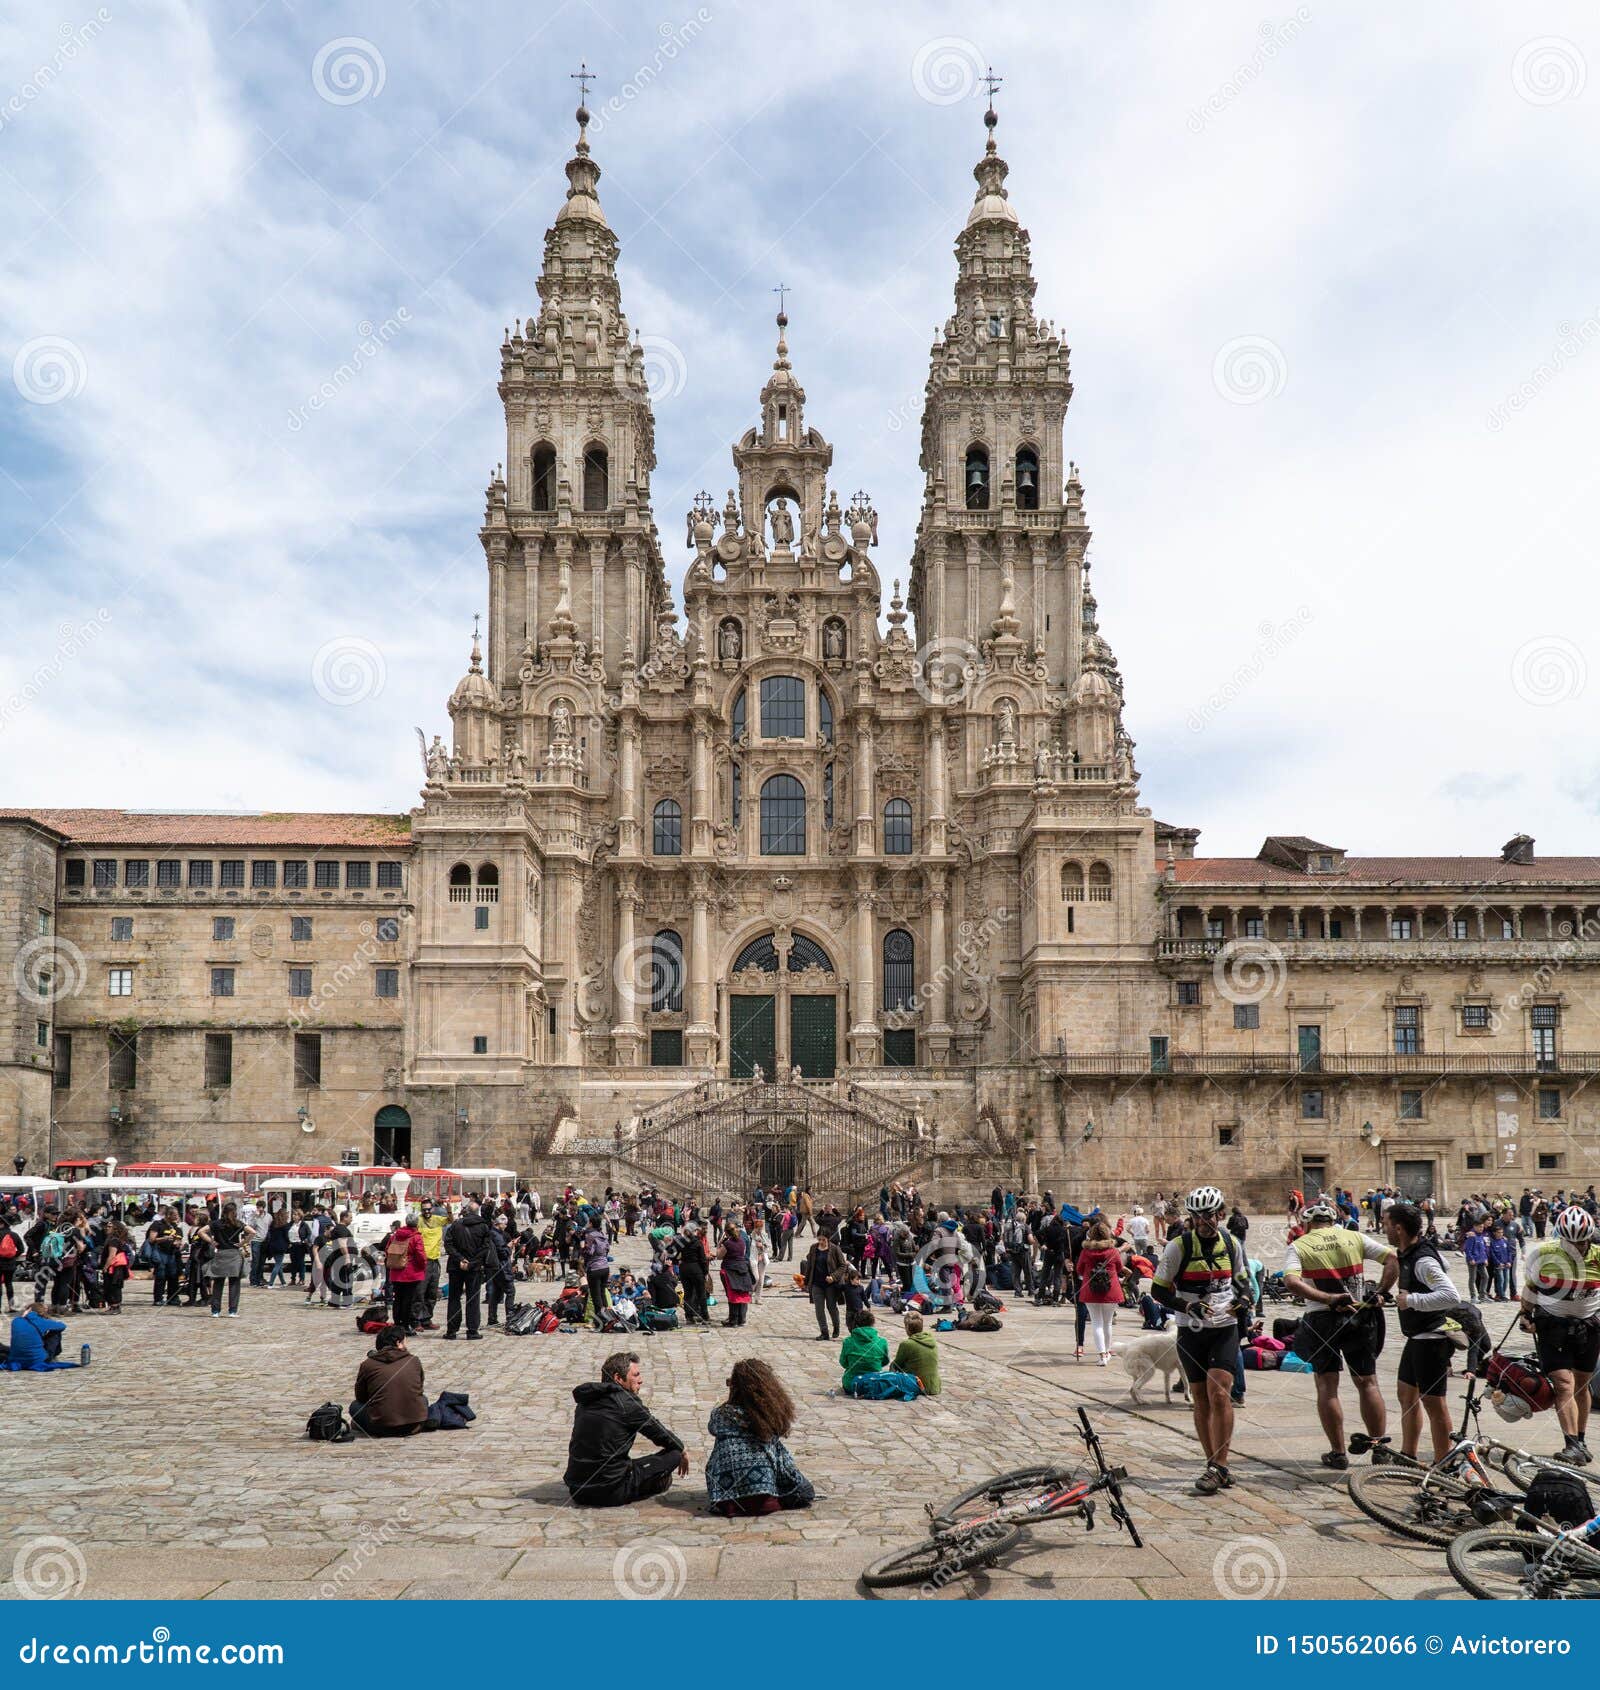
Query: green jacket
pixel 863 1351
pixel 919 1354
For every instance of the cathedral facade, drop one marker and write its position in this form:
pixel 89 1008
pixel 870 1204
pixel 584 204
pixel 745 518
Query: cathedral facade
pixel 819 881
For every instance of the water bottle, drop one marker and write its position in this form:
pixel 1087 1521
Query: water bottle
pixel 83 1356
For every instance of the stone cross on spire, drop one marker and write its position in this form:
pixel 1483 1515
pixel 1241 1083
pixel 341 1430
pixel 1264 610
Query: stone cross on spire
pixel 782 289
pixel 991 82
pixel 583 76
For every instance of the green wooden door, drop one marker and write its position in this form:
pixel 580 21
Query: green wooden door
pixel 813 1036
pixel 752 1036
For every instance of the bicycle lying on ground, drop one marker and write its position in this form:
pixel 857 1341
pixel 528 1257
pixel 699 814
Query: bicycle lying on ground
pixel 1436 1504
pixel 979 1526
pixel 1538 1565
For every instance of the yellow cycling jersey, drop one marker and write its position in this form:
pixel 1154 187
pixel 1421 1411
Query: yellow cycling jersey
pixel 1564 1279
pixel 1331 1257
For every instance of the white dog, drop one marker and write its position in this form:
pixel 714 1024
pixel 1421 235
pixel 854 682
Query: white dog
pixel 1154 1352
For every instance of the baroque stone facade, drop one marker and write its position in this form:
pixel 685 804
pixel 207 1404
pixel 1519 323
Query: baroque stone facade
pixel 793 836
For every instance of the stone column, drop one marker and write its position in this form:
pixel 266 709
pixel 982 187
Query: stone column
pixel 631 976
pixel 629 822
pixel 701 1037
pixel 938 990
pixel 700 791
pixel 864 1033
pixel 866 813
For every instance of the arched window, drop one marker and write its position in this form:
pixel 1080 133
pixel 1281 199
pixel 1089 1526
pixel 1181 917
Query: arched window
pixel 544 476
pixel 827 795
pixel 977 478
pixel 596 479
pixel 897 827
pixel 460 884
pixel 666 973
pixel 488 884
pixel 899 965
pixel 1099 884
pixel 738 721
pixel 783 707
pixel 668 840
pixel 1027 479
pixel 783 817
pixel 807 953
pixel 737 783
pixel 1072 883
pixel 759 953
pixel 825 715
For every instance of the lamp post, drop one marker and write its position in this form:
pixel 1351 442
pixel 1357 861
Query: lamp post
pixel 400 1184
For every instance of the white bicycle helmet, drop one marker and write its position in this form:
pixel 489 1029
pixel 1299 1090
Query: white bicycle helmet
pixel 1207 1200
pixel 1575 1225
pixel 1321 1210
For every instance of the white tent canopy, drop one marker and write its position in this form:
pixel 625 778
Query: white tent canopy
pixel 156 1182
pixel 483 1173
pixel 297 1182
pixel 30 1182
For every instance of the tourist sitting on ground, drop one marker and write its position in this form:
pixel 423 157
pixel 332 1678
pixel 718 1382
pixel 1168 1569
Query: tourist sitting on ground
pixel 864 1350
pixel 751 1470
pixel 390 1401
pixel 36 1340
pixel 663 1285
pixel 855 1291
pixel 918 1353
pixel 610 1415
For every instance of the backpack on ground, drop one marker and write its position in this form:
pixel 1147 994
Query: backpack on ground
pixel 328 1425
pixel 569 1306
pixel 1561 1497
pixel 885 1387
pixel 659 1320
pixel 623 1319
pixel 373 1318
pixel 522 1320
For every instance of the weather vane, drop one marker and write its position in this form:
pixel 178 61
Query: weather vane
pixel 782 289
pixel 583 76
pixel 991 82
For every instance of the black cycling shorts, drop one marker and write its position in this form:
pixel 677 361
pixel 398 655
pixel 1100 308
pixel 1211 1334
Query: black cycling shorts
pixel 1425 1364
pixel 1332 1342
pixel 1570 1344
pixel 1205 1349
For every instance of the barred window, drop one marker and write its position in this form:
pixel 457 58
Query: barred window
pixel 169 873
pixel 1545 1014
pixel 899 969
pixel 1247 1017
pixel 897 827
pixel 200 872
pixel 1407 1029
pixel 136 871
pixel 307 1059
pixel 263 875
pixel 666 972
pixel 294 874
pixel 783 707
pixel 1475 1016
pixel 231 872
pixel 327 876
pixel 222 928
pixel 358 875
pixel 122 1061
pixel 75 871
pixel 389 877
pixel 219 1060
pixel 105 872
pixel 1188 993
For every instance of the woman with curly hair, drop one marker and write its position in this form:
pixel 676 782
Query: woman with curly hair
pixel 751 1470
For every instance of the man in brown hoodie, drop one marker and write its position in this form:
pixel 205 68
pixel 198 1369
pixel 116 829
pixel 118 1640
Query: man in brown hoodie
pixel 390 1401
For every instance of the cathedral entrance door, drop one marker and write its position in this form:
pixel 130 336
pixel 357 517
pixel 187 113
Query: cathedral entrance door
pixel 781 1165
pixel 813 1036
pixel 752 1036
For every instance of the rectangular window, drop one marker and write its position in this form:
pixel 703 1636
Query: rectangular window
pixel 121 928
pixel 75 870
pixel 1545 1014
pixel 222 929
pixel 480 919
pixel 222 982
pixel 1254 927
pixel 389 877
pixel 64 1060
pixel 1410 1105
pixel 1549 1103
pixel 136 871
pixel 783 707
pixel 119 983
pixel 1188 993
pixel 105 872
pixel 169 873
pixel 388 929
pixel 550 1020
pixel 900 1047
pixel 480 1044
pixel 1400 927
pixel 294 873
pixel 1458 927
pixel 1246 1017
pixel 44 922
pixel 1549 1161
pixel 1543 1018
pixel 307 1059
pixel 1474 1018
pixel 41 1034
pixel 327 875
pixel 1225 1136
pixel 1160 1062
pixel 386 982
pixel 1214 930
pixel 219 1060
pixel 1476 1161
pixel 230 873
pixel 358 875
pixel 666 1047
pixel 299 929
pixel 200 872
pixel 1311 1106
pixel 1407 1029
pixel 1508 928
pixel 299 982
pixel 263 875
pixel 1335 927
pixel 122 1061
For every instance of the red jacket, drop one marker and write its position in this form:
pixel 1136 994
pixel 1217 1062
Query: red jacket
pixel 1086 1261
pixel 416 1268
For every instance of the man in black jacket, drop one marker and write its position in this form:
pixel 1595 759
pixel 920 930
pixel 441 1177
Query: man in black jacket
pixel 610 1415
pixel 469 1254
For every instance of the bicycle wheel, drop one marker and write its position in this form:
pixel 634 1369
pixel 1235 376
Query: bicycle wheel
pixel 939 1560
pixel 1495 1565
pixel 1001 1489
pixel 1522 1469
pixel 1395 1497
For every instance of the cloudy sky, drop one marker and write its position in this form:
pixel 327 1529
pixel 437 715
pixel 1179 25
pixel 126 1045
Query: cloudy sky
pixel 1330 283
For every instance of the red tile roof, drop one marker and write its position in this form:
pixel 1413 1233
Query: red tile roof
pixel 1391 871
pixel 136 827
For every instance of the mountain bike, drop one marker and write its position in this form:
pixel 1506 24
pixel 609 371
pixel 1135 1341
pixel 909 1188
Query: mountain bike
pixel 1538 1565
pixel 978 1527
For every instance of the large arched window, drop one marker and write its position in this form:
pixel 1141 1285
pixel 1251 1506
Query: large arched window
pixel 596 479
pixel 460 884
pixel 737 721
pixel 1099 884
pixel 783 707
pixel 827 795
pixel 899 965
pixel 783 817
pixel 668 830
pixel 488 884
pixel 1027 479
pixel 807 953
pixel 666 972
pixel 977 478
pixel 897 827
pixel 825 715
pixel 544 476
pixel 1072 883
pixel 736 783
pixel 759 953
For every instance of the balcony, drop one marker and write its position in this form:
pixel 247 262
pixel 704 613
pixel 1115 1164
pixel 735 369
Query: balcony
pixel 1387 951
pixel 1329 1065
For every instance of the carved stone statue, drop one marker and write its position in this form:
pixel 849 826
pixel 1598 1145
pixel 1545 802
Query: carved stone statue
pixel 1008 722
pixel 518 765
pixel 731 643
pixel 782 524
pixel 438 761
pixel 560 723
pixel 1041 762
pixel 833 639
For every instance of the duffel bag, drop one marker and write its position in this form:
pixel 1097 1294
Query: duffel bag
pixel 1520 1377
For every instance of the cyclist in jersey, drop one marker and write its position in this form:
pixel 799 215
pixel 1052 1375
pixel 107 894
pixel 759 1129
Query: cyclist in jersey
pixel 1202 1274
pixel 1561 1308
pixel 1323 1265
pixel 1429 1306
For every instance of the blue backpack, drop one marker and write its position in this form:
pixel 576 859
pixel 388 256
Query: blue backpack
pixel 54 1247
pixel 885 1387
